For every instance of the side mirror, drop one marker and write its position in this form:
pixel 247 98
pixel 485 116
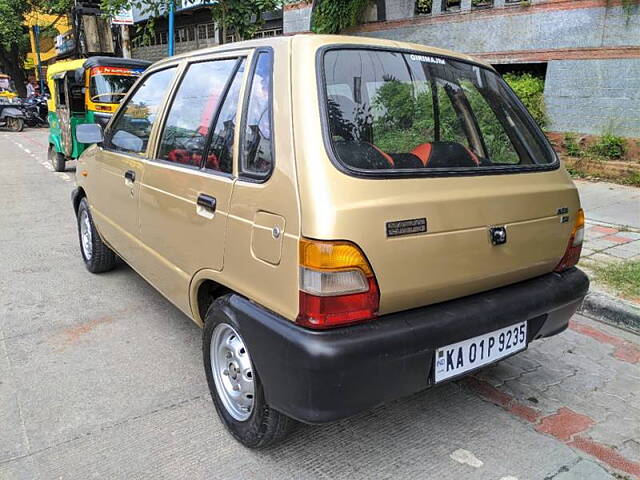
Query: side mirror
pixel 127 141
pixel 89 133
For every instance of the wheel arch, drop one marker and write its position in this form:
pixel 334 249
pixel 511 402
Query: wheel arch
pixel 206 286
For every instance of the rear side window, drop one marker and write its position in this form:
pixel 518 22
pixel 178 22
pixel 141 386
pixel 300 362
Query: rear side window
pixel 257 148
pixel 221 151
pixel 131 130
pixel 393 111
pixel 184 138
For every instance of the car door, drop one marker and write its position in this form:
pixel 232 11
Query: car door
pixel 186 188
pixel 119 165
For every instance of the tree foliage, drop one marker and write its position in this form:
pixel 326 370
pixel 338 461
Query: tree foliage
pixel 244 17
pixel 530 89
pixel 333 16
pixel 14 40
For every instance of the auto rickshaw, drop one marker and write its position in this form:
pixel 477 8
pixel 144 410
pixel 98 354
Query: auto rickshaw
pixel 88 90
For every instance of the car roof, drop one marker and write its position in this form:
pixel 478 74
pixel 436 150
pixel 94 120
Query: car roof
pixel 318 41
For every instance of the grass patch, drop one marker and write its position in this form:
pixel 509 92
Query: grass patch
pixel 623 277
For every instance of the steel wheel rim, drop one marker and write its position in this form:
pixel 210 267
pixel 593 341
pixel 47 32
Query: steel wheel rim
pixel 85 235
pixel 232 372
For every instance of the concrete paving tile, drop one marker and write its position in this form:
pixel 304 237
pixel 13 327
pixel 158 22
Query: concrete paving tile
pixel 599 244
pixel 600 257
pixel 630 235
pixel 631 449
pixel 614 431
pixel 584 470
pixel 627 251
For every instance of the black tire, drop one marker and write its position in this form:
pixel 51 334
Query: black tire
pixel 15 124
pixel 57 159
pixel 101 258
pixel 265 426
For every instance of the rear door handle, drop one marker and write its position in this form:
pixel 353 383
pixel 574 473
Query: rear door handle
pixel 207 201
pixel 130 175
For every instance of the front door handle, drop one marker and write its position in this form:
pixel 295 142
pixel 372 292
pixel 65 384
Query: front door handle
pixel 130 175
pixel 207 201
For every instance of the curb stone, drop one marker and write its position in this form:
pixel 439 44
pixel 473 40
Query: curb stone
pixel 611 310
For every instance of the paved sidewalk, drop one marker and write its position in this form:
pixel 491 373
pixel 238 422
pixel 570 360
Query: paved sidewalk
pixel 608 203
pixel 581 387
pixel 612 232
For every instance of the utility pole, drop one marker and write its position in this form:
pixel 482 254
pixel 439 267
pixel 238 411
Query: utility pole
pixel 126 41
pixel 171 33
pixel 36 33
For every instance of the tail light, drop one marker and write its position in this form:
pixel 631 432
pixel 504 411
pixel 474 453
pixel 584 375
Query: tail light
pixel 337 285
pixel 572 253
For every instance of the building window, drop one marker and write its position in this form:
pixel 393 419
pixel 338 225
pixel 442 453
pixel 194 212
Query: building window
pixel 272 32
pixel 211 30
pixel 452 5
pixel 423 7
pixel 481 3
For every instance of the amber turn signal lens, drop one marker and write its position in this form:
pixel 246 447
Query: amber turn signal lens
pixel 339 255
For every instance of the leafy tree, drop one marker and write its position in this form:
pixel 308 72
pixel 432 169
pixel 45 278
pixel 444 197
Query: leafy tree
pixel 14 39
pixel 244 17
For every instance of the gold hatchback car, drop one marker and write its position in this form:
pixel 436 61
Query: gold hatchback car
pixel 350 219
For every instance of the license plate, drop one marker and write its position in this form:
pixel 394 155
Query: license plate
pixel 475 352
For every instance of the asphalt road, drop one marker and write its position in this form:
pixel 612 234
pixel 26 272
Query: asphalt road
pixel 100 377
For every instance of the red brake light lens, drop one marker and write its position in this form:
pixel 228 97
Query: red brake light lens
pixel 574 247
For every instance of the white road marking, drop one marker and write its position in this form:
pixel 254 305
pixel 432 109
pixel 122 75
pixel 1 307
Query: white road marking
pixel 466 458
pixel 509 478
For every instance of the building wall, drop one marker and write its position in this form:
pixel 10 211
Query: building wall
pixel 154 53
pixel 594 96
pixel 296 17
pixel 59 22
pixel 591 47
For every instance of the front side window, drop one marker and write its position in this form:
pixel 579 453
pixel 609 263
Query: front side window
pixel 185 134
pixel 131 130
pixel 394 111
pixel 256 141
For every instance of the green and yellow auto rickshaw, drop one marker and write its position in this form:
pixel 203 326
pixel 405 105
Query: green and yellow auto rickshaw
pixel 88 90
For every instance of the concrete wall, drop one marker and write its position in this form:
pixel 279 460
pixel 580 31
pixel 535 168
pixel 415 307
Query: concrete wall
pixel 490 31
pixel 296 18
pixel 594 96
pixel 157 52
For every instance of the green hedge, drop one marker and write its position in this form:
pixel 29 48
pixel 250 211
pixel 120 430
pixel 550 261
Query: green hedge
pixel 530 89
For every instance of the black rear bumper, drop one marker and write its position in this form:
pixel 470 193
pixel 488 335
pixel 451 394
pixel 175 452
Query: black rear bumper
pixel 322 376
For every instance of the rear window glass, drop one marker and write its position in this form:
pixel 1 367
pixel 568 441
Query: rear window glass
pixel 390 110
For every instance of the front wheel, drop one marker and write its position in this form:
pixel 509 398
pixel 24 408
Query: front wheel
pixel 234 383
pixel 97 256
pixel 15 124
pixel 56 159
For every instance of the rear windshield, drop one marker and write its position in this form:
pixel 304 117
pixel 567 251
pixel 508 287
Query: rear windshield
pixel 391 111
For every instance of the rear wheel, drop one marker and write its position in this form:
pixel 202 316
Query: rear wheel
pixel 57 159
pixel 15 124
pixel 97 256
pixel 234 383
